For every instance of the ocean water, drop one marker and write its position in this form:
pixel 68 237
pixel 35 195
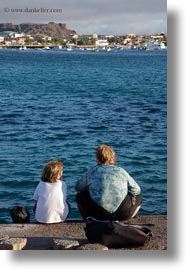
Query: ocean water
pixel 58 104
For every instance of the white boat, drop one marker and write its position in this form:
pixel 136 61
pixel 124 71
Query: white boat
pixel 46 48
pixel 69 49
pixel 24 48
pixel 162 46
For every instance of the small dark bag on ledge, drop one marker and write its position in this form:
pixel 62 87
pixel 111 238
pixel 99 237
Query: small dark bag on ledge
pixel 20 214
pixel 115 234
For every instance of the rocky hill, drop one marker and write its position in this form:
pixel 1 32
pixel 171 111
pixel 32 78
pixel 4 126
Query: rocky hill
pixel 51 29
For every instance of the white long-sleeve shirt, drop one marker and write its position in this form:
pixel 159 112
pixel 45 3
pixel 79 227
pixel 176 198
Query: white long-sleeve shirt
pixel 51 202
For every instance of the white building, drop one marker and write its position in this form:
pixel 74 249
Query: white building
pixel 1 39
pixel 17 35
pixel 101 43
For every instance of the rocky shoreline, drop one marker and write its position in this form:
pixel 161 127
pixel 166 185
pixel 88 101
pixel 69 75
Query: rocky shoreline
pixel 70 235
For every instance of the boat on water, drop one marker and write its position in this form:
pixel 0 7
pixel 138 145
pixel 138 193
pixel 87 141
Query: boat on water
pixel 108 49
pixel 23 48
pixel 46 48
pixel 69 49
pixel 163 46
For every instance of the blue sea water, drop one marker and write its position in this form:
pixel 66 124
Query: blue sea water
pixel 57 104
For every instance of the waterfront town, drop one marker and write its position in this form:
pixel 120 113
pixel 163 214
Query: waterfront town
pixel 54 35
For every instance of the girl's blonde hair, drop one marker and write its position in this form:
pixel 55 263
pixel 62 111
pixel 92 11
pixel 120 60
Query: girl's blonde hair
pixel 52 170
pixel 105 154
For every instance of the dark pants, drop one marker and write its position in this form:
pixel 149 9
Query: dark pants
pixel 89 207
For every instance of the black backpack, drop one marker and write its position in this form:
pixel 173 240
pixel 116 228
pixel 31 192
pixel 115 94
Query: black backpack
pixel 20 214
pixel 115 234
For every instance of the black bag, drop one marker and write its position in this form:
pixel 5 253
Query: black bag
pixel 115 234
pixel 20 214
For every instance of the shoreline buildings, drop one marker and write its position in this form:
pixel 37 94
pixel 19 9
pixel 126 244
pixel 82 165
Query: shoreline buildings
pixel 54 34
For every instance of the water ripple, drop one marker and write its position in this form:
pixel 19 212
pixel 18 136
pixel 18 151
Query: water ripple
pixel 80 101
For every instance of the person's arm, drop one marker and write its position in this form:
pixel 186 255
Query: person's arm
pixel 64 190
pixel 35 197
pixel 133 187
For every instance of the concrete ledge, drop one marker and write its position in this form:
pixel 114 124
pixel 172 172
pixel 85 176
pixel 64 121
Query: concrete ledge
pixel 57 236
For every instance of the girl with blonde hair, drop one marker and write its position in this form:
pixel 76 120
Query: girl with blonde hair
pixel 51 194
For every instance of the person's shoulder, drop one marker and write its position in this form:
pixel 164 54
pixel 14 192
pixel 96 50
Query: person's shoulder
pixel 41 186
pixel 40 183
pixel 92 169
pixel 63 183
pixel 119 169
pixel 58 183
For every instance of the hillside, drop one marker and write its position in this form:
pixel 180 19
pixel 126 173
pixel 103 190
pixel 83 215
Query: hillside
pixel 51 29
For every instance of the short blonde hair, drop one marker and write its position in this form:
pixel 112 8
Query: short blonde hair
pixel 52 170
pixel 105 154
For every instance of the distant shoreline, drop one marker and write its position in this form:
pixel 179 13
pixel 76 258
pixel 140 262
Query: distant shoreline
pixel 82 48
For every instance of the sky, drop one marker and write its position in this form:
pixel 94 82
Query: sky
pixel 118 17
